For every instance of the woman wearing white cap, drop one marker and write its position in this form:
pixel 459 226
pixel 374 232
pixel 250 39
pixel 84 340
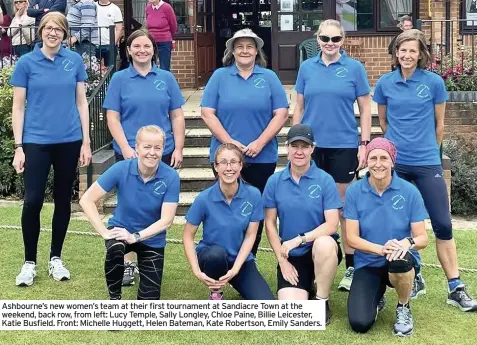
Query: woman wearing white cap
pixel 245 104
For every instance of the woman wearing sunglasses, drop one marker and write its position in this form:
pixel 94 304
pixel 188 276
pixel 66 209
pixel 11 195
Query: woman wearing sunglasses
pixel 230 211
pixel 327 87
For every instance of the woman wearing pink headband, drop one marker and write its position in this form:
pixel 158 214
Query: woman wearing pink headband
pixel 385 225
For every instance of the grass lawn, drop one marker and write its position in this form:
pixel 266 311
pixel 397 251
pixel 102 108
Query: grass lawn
pixel 435 321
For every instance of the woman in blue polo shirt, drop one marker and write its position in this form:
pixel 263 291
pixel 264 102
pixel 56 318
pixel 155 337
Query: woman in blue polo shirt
pixel 411 107
pixel 52 130
pixel 327 87
pixel 245 104
pixel 306 201
pixel 385 225
pixel 137 226
pixel 141 95
pixel 230 211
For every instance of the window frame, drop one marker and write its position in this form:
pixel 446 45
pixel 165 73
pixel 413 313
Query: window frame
pixel 463 27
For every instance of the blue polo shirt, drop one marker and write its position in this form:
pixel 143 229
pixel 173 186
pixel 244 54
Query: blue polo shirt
pixel 223 224
pixel 383 218
pixel 143 101
pixel 330 92
pixel 51 115
pixel 245 107
pixel 410 114
pixel 140 204
pixel 301 206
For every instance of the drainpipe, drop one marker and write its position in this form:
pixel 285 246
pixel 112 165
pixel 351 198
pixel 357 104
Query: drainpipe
pixel 448 26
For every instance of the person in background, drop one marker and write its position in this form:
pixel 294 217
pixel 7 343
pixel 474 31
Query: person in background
pixel 328 107
pixel 405 23
pixel 5 42
pixel 162 24
pixel 230 212
pixel 20 32
pixel 138 226
pixel 84 27
pixel 108 14
pixel 39 8
pixel 53 130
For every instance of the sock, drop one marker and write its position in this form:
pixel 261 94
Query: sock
pixel 404 305
pixel 349 260
pixel 322 299
pixel 454 283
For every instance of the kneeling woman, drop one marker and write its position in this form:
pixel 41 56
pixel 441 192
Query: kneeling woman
pixel 385 224
pixel 230 211
pixel 148 193
pixel 307 201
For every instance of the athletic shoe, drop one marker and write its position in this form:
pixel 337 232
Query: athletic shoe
pixel 418 286
pixel 129 270
pixel 328 313
pixel 58 270
pixel 404 325
pixel 27 274
pixel 461 299
pixel 382 303
pixel 216 295
pixel 345 283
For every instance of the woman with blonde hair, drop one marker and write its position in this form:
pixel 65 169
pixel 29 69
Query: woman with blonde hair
pixel 251 118
pixel 411 108
pixel 21 29
pixel 327 87
pixel 53 130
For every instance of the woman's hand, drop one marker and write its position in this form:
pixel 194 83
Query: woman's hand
pixel 241 146
pixel 289 272
pixel 228 276
pixel 19 160
pixel 128 153
pixel 121 234
pixel 209 282
pixel 176 159
pixel 287 246
pixel 395 250
pixel 85 155
pixel 253 149
pixel 361 157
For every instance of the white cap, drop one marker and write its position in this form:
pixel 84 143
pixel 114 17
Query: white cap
pixel 244 33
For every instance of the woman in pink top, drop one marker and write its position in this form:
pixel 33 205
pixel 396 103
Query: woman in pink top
pixel 162 24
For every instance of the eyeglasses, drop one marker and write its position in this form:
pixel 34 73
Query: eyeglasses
pixel 334 39
pixel 233 164
pixel 49 29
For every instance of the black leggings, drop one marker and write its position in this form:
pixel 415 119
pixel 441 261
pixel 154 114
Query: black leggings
pixel 150 264
pixel 38 160
pixel 257 175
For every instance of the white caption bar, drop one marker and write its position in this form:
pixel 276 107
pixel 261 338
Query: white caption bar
pixel 162 315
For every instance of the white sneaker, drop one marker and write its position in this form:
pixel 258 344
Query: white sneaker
pixel 58 269
pixel 27 274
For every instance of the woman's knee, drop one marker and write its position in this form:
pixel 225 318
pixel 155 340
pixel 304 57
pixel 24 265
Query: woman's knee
pixel 213 261
pixel 115 249
pixel 324 247
pixel 360 324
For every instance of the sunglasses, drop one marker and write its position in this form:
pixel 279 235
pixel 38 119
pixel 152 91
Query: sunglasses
pixel 334 39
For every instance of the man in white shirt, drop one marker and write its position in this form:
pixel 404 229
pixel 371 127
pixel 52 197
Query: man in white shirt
pixel 108 14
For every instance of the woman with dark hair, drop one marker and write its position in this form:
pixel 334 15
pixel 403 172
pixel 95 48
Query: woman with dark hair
pixel 53 130
pixel 5 43
pixel 251 118
pixel 411 108
pixel 144 95
pixel 230 211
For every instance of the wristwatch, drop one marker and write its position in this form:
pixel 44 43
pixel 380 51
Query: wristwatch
pixel 137 236
pixel 303 237
pixel 363 142
pixel 18 145
pixel 411 240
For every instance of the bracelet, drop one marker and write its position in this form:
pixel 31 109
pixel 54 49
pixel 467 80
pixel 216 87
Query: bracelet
pixel 363 142
pixel 18 145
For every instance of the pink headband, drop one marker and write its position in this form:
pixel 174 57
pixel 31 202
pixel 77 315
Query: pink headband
pixel 383 144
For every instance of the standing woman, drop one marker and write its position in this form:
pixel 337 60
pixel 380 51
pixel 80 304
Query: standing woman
pixel 139 226
pixel 20 30
pixel 53 130
pixel 162 24
pixel 144 95
pixel 245 104
pixel 411 107
pixel 5 43
pixel 230 211
pixel 327 87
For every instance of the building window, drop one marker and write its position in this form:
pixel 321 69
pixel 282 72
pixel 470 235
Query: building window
pixel 372 15
pixel 470 13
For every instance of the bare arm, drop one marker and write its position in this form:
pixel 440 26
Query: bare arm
pixel 382 117
pixel 364 104
pixel 88 203
pixel 440 111
pixel 82 104
pixel 272 232
pixel 419 235
pixel 356 242
pixel 18 113
pixel 299 109
pixel 189 247
pixel 118 32
pixel 168 213
pixel 280 116
pixel 328 228
pixel 178 127
pixel 211 120
pixel 116 129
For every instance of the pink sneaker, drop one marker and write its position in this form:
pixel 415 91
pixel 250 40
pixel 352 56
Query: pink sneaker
pixel 216 295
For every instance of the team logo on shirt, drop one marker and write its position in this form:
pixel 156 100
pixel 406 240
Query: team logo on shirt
pixel 314 191
pixel 159 188
pixel 160 85
pixel 246 208
pixel 68 65
pixel 341 72
pixel 423 91
pixel 398 202
pixel 259 83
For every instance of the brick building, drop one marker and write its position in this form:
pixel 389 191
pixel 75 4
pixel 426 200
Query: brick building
pixel 204 26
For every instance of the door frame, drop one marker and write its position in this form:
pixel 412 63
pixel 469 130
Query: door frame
pixel 209 12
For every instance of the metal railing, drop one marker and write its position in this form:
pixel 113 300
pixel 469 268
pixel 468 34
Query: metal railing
pixel 452 44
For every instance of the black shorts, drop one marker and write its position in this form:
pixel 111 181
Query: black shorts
pixel 306 271
pixel 341 164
